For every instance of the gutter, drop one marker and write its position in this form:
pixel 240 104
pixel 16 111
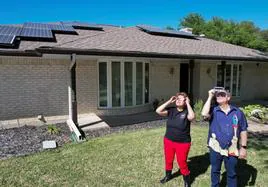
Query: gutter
pixel 98 52
pixel 27 53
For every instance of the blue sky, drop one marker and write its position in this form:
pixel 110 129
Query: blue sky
pixel 128 13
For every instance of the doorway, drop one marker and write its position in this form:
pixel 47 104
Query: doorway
pixel 184 78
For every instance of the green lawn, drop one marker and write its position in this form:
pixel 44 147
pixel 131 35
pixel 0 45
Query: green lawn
pixel 126 159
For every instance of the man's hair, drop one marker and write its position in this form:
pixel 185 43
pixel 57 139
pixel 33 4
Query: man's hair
pixel 182 94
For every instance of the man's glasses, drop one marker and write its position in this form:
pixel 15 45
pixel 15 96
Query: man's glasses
pixel 221 94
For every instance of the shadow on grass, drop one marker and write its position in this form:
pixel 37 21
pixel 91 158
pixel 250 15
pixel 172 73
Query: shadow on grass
pixel 246 175
pixel 258 141
pixel 197 165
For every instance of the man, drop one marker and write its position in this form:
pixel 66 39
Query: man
pixel 227 138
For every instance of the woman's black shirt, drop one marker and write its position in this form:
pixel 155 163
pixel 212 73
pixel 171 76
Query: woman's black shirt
pixel 178 126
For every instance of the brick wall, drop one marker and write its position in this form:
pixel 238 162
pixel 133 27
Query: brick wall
pixel 254 83
pixel 163 84
pixel 86 86
pixel 33 86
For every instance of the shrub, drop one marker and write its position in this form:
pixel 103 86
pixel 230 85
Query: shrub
pixel 52 129
pixel 198 105
pixel 256 113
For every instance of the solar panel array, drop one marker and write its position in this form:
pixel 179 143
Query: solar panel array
pixel 82 25
pixel 158 31
pixel 40 31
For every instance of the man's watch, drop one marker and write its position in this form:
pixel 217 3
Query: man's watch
pixel 244 146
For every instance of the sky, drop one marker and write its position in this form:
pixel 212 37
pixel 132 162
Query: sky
pixel 159 13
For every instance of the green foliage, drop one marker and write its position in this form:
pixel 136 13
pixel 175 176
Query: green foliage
pixel 197 109
pixel 243 33
pixel 256 112
pixel 195 21
pixel 52 129
pixel 170 28
pixel 264 34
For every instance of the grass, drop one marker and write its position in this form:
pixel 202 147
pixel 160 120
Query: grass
pixel 125 159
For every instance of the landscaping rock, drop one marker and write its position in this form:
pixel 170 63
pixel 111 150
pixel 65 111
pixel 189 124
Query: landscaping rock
pixel 28 139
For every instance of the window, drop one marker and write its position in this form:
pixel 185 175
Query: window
pixel 103 84
pixel 128 83
pixel 116 84
pixel 146 83
pixel 123 83
pixel 232 78
pixel 139 84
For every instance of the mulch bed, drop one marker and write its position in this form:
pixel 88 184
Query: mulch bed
pixel 28 139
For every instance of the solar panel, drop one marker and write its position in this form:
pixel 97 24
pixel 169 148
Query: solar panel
pixel 9 30
pixel 36 33
pixel 54 27
pixel 155 30
pixel 6 39
pixel 83 25
pixel 36 25
pixel 61 27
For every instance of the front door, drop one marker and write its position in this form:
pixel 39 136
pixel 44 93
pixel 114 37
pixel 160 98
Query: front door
pixel 184 78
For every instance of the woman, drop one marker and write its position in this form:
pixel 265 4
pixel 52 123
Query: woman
pixel 177 139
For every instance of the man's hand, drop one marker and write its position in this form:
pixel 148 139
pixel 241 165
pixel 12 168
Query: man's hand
pixel 211 93
pixel 242 153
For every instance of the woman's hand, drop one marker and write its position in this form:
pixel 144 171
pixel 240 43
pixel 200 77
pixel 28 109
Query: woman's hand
pixel 187 100
pixel 172 99
pixel 161 110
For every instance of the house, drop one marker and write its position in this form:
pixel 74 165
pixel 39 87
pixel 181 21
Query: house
pixel 63 69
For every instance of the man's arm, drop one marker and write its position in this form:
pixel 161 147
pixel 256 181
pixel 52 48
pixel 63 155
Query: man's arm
pixel 206 109
pixel 243 144
pixel 243 137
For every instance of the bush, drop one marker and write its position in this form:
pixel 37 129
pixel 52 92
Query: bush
pixel 198 105
pixel 256 113
pixel 52 129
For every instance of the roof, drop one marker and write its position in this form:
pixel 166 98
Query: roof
pixel 132 41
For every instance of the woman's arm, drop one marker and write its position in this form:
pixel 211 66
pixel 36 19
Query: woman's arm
pixel 191 114
pixel 161 110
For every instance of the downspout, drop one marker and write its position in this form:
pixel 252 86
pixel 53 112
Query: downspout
pixel 72 121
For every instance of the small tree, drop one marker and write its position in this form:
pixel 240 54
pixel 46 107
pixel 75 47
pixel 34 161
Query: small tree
pixel 197 109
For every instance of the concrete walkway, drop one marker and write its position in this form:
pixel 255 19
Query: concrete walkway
pixel 89 122
pixel 257 128
pixel 93 122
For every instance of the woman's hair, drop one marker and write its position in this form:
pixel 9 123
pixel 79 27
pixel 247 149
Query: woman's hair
pixel 182 94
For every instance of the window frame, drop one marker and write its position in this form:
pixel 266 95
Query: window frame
pixel 231 77
pixel 122 82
